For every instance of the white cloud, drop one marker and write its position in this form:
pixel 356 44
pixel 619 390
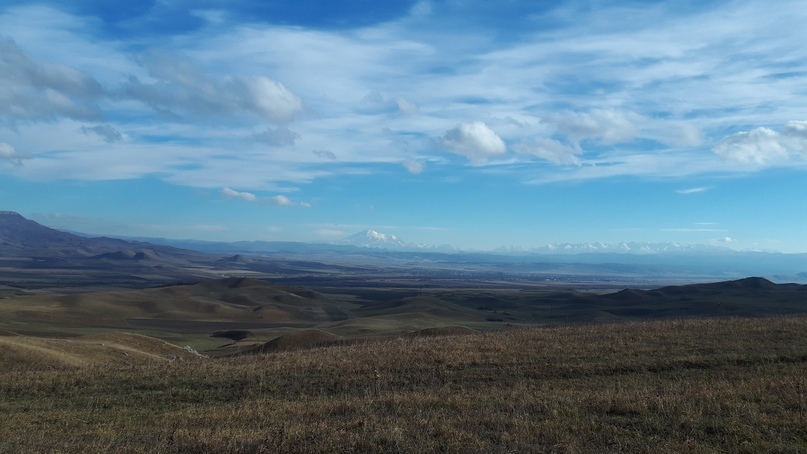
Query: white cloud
pixel 795 134
pixel 269 99
pixel 413 166
pixel 763 145
pixel 9 154
pixel 178 86
pixel 678 134
pixel 474 140
pixel 618 76
pixel 667 165
pixel 549 149
pixel 606 126
pixel 691 190
pixel 31 91
pixel 281 200
pixel 249 197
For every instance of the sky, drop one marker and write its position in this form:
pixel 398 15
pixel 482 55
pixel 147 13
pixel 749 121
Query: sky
pixel 471 123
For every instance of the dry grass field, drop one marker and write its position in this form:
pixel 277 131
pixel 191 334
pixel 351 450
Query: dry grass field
pixel 703 386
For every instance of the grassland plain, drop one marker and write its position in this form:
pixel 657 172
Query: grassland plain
pixel 716 385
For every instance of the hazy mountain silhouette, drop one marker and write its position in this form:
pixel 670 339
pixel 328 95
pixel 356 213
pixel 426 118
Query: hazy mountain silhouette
pixel 21 237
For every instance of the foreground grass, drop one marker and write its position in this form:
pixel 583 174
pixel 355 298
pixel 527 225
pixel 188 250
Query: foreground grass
pixel 728 385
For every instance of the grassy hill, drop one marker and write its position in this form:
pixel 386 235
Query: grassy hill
pixel 716 385
pixel 25 353
pixel 242 312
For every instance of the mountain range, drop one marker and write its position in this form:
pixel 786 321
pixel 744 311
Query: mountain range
pixel 376 240
pixel 371 238
pixel 617 248
pixel 21 237
pixel 376 252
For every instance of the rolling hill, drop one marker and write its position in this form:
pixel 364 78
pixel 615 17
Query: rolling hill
pixel 21 237
pixel 112 349
pixel 33 256
pixel 248 311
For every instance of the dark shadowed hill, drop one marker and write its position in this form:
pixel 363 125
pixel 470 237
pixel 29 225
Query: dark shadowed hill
pixel 309 338
pixel 753 296
pixel 33 256
pixel 240 308
pixel 21 237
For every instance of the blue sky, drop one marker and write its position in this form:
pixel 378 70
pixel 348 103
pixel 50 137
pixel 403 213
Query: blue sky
pixel 472 123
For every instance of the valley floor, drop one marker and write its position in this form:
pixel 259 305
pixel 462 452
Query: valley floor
pixel 716 385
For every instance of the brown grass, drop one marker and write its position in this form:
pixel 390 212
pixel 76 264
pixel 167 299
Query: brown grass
pixel 297 340
pixel 444 331
pixel 721 385
pixel 24 353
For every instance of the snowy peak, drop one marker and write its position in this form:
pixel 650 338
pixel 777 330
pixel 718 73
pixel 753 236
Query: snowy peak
pixel 372 239
pixel 621 248
pixel 377 240
pixel 375 236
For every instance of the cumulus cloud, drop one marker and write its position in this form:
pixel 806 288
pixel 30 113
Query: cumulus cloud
pixel 181 87
pixel 106 132
pixel 413 166
pixel 606 126
pixel 278 137
pixel 9 154
pixel 30 91
pixel 229 193
pixel 474 140
pixel 267 98
pixel 305 204
pixel 764 145
pixel 549 149
pixel 281 200
pixel 610 127
pixel 679 134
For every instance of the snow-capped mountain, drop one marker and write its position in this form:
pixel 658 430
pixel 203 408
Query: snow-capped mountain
pixel 372 239
pixel 619 248
pixel 376 240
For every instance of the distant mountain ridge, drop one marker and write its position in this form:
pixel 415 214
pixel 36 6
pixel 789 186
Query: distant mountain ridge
pixel 23 237
pixel 20 237
pixel 373 239
pixel 632 247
